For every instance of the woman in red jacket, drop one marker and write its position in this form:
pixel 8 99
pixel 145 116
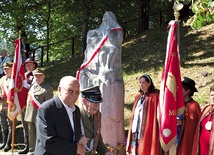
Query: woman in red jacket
pixel 204 136
pixel 143 136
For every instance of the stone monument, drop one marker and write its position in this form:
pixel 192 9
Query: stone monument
pixel 102 66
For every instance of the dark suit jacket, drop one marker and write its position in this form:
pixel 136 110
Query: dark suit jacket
pixel 54 131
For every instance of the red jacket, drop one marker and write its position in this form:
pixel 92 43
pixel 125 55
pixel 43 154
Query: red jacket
pixel 191 120
pixel 195 148
pixel 149 143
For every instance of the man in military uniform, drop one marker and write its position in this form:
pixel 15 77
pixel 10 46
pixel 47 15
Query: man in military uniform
pixel 38 93
pixel 91 119
pixel 6 124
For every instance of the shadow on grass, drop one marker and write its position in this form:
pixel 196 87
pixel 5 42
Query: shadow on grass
pixel 148 50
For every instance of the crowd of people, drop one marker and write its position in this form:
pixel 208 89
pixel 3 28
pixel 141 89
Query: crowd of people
pixel 55 125
pixel 196 128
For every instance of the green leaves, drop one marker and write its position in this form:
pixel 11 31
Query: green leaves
pixel 204 14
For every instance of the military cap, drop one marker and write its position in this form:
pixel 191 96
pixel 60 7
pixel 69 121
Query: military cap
pixel 92 94
pixel 38 71
pixel 8 65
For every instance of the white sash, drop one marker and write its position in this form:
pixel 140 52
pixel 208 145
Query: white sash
pixel 34 101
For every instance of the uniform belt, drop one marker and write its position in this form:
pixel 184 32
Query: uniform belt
pixel 134 136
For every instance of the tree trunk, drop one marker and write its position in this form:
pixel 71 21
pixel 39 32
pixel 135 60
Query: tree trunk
pixel 143 18
pixel 48 31
pixel 85 23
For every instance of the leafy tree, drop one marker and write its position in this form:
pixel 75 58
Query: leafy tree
pixel 60 26
pixel 203 13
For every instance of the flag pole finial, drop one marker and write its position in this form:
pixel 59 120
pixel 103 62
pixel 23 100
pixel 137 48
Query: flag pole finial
pixel 177 7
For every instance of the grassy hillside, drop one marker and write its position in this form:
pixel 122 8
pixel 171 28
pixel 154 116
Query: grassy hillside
pixel 145 53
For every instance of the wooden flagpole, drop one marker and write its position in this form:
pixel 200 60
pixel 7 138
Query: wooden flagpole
pixel 13 134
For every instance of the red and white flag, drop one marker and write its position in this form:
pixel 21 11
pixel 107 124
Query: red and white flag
pixel 171 101
pixel 18 88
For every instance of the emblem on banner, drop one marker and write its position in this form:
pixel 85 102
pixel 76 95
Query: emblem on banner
pixel 208 125
pixel 166 132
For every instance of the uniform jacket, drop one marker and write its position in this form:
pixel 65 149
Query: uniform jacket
pixel 54 130
pixel 149 143
pixel 95 132
pixel 42 93
pixel 4 82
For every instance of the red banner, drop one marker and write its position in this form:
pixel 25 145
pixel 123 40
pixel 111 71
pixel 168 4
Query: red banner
pixel 171 101
pixel 18 87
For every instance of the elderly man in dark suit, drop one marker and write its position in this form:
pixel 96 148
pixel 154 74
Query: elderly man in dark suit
pixel 91 119
pixel 58 124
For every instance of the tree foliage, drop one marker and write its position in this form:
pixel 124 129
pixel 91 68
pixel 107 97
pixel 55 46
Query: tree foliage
pixel 57 25
pixel 203 13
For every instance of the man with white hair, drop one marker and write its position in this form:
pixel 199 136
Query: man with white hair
pixel 58 126
pixel 3 58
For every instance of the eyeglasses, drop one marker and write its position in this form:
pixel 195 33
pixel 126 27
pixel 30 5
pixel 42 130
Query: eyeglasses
pixel 71 91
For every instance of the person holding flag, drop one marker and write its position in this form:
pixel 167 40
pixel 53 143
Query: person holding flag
pixel 6 124
pixel 190 118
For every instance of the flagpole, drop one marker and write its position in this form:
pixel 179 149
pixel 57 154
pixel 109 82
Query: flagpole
pixel 13 134
pixel 13 121
pixel 177 7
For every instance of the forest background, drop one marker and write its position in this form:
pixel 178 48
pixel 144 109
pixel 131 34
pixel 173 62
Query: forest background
pixel 57 29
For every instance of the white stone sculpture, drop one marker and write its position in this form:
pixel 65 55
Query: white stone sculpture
pixel 102 66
